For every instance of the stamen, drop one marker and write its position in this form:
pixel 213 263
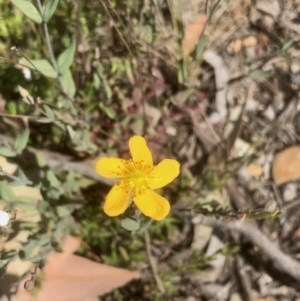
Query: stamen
pixel 126 169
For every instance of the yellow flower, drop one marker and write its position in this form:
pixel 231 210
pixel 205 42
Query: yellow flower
pixel 138 178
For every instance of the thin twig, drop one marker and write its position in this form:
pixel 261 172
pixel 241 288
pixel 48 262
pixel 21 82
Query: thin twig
pixel 116 28
pixel 245 282
pixel 278 198
pixel 153 263
pixel 222 78
pixel 279 260
pixel 160 107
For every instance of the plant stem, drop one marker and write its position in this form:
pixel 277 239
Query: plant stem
pixel 49 46
pixel 52 57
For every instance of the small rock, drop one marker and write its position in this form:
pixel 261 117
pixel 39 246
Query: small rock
pixel 202 235
pixel 269 7
pixel 251 105
pixel 235 297
pixel 191 298
pixel 290 192
pixel 295 66
pixel 243 174
pixel 296 235
pixel 286 165
pixel 269 113
pixel 254 170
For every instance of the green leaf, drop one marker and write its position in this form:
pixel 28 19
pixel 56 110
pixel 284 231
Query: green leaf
pixel 32 227
pixel 44 120
pixel 22 141
pixel 49 10
pixel 263 215
pixel 36 258
pixel 42 66
pixel 201 46
pixel 146 225
pixel 5 192
pixel 130 224
pixel 1 264
pixel 18 182
pixel 129 73
pixel 259 74
pixel 54 193
pixel 28 9
pixel 24 200
pixel 62 211
pixel 53 180
pixel 180 98
pixel 2 268
pixel 6 152
pixel 8 254
pixel 27 249
pixel 68 83
pixel 66 58
pixel 49 112
pixel 288 44
pixel 21 179
pixel 107 110
pixel 40 160
pixel 43 207
pixel 44 240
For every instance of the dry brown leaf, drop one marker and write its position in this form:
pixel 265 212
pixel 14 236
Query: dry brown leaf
pixel 18 267
pixel 192 34
pixel 238 44
pixel 254 170
pixel 286 165
pixel 296 234
pixel 250 41
pixel 68 277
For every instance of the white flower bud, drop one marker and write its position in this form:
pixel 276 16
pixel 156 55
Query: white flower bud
pixel 4 218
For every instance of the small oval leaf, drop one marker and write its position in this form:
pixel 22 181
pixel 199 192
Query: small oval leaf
pixel 22 141
pixel 28 9
pixel 68 83
pixel 130 224
pixel 49 10
pixel 6 193
pixel 66 58
pixel 42 66
pixel 6 152
pixel 8 254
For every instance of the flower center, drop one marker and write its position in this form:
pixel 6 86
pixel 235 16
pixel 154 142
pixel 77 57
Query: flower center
pixel 138 179
pixel 135 176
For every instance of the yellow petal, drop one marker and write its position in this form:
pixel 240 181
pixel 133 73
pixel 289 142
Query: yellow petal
pixel 110 167
pixel 140 151
pixel 117 200
pixel 152 204
pixel 164 173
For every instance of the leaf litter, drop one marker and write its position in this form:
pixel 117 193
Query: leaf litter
pixel 259 71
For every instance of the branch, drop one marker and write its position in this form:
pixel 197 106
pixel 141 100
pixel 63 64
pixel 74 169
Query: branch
pixel 278 259
pixel 85 168
pixel 153 264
